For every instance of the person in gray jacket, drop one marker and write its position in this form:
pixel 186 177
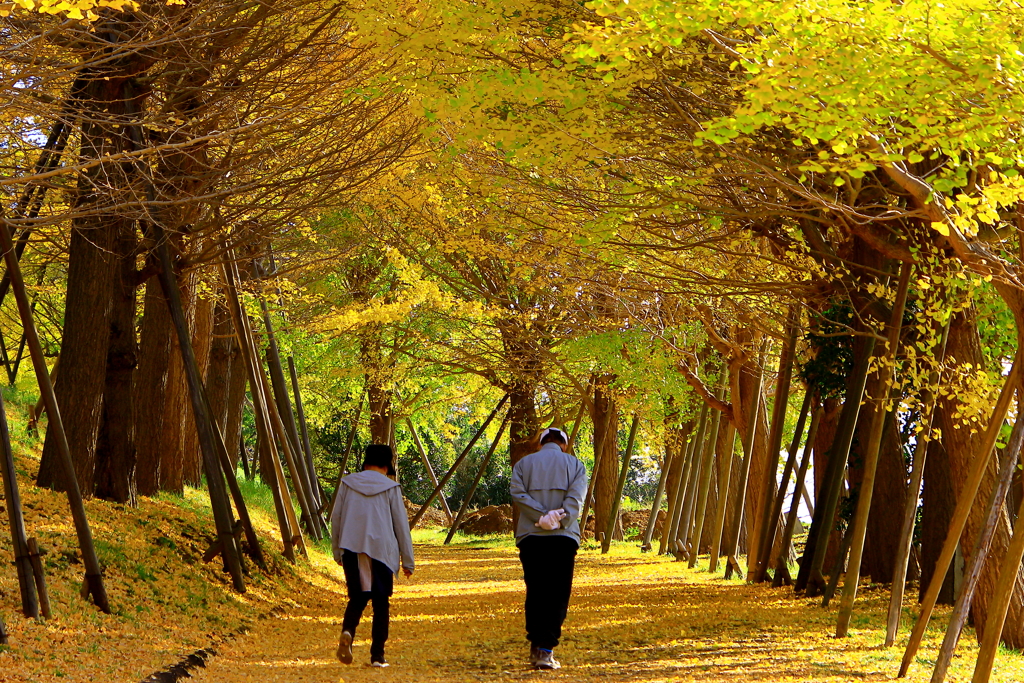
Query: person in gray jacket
pixel 369 533
pixel 548 487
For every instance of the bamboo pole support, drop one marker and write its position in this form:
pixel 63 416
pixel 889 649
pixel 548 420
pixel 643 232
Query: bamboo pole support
pixel 681 531
pixel 16 520
pixel 670 532
pixel 455 465
pixel 576 427
pixel 782 560
pixel 764 533
pixel 811 577
pixel 867 487
pixel 704 485
pixel 35 555
pixel 899 576
pixel 476 481
pixel 304 430
pixel 291 535
pixel 613 516
pixel 732 563
pixel 1000 602
pixel 837 571
pixel 672 504
pixel 430 470
pixel 964 503
pixel 93 571
pixel 768 540
pixel 728 457
pixel 659 495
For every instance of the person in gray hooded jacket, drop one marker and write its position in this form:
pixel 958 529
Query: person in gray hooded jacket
pixel 370 534
pixel 548 487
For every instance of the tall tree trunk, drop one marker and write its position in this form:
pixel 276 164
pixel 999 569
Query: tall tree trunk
pixel 938 501
pixel 964 346
pixel 115 449
pixel 606 424
pixel 218 372
pixel 523 421
pixel 201 321
pixel 377 372
pixel 151 386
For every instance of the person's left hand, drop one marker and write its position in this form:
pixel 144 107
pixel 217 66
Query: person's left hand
pixel 407 572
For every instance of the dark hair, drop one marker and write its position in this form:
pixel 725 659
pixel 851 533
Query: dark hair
pixel 380 455
pixel 553 437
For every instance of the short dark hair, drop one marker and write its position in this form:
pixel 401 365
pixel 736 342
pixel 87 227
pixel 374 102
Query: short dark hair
pixel 379 455
pixel 553 436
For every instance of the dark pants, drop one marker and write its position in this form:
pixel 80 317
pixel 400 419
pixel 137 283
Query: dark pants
pixel 548 563
pixel 380 591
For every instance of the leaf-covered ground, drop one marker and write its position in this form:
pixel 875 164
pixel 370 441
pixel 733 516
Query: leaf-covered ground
pixel 633 618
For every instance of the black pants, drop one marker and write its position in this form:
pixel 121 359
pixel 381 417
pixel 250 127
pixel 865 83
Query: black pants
pixel 548 564
pixel 379 594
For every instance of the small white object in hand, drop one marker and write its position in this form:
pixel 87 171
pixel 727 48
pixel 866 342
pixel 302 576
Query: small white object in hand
pixel 551 520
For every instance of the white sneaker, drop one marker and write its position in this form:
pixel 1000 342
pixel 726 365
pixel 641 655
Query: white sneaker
pixel 345 648
pixel 546 660
pixel 379 663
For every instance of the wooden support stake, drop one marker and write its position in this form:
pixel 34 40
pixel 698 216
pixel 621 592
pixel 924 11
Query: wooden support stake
pixel 16 519
pixel 681 530
pixel 304 432
pixel 837 570
pixel 964 503
pixel 780 497
pixel 764 533
pixel 723 496
pixel 620 486
pixel 782 562
pixel 476 481
pixel 576 427
pixel 344 457
pixel 35 554
pixel 899 576
pixel 732 546
pixel 659 494
pixel 704 485
pixel 430 470
pixel 455 465
pixel 287 523
pixel 93 572
pixel 867 486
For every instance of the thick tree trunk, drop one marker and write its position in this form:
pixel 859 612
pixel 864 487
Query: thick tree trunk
pixel 377 372
pixel 606 424
pixel 115 450
pixel 218 373
pixel 523 421
pixel 201 322
pixel 938 501
pixel 964 346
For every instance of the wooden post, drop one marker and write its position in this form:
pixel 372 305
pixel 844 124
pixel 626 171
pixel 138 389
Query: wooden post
pixel 203 420
pixel 681 531
pixel 455 465
pixel 620 486
pixel 782 561
pixel 972 573
pixel 476 481
pixel 700 513
pixel 242 456
pixel 304 430
pixel 837 571
pixel 430 470
pixel 287 523
pixel 1000 602
pixel 672 504
pixel 652 519
pixel 723 495
pixel 576 426
pixel 19 538
pixel 964 503
pixel 811 577
pixel 764 532
pixel 93 571
pixel 731 548
pixel 35 555
pixel 867 487
pixel 899 577
pixel 768 538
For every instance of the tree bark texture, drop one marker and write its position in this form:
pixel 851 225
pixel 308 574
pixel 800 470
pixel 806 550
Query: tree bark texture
pixel 938 500
pixel 606 425
pixel 201 323
pixel 964 346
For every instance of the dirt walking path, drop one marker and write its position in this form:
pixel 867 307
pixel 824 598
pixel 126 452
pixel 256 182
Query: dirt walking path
pixel 633 618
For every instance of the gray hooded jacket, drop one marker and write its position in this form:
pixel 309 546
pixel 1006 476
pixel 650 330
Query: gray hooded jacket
pixel 547 480
pixel 369 517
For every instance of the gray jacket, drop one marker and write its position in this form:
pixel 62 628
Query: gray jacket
pixel 369 517
pixel 547 480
